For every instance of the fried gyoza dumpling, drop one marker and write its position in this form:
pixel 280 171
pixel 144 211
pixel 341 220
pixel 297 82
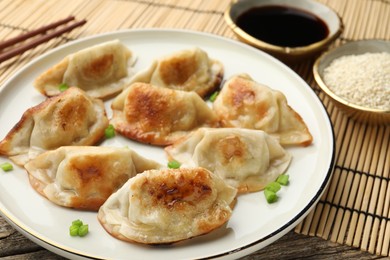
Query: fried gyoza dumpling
pixel 71 118
pixel 101 70
pixel 166 206
pixel 83 177
pixel 245 103
pixel 246 159
pixel 159 116
pixel 187 70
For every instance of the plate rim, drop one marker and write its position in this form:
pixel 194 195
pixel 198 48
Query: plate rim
pixel 53 246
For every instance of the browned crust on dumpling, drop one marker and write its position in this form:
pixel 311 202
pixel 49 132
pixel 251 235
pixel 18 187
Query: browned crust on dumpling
pixel 99 66
pixel 102 71
pixel 172 192
pixel 191 202
pixel 246 159
pixel 87 182
pixel 52 76
pixel 177 70
pixel 245 103
pixel 160 116
pixel 180 71
pixel 90 177
pixel 7 143
pixel 83 177
pixel 190 70
pixel 65 116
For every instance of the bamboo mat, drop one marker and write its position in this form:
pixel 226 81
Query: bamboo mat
pixel 355 210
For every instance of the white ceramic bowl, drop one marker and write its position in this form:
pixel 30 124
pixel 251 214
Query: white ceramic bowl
pixel 287 54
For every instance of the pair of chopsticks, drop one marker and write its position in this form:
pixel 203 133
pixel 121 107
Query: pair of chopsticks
pixel 6 52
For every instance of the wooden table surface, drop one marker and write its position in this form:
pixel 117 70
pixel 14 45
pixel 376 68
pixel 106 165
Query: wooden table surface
pixel 13 245
pixel 310 239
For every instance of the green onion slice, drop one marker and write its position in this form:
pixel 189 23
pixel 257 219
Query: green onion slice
pixel 78 228
pixel 77 223
pixel 273 186
pixel 109 132
pixel 173 165
pixel 270 196
pixel 63 86
pixel 74 230
pixel 83 230
pixel 214 96
pixel 6 166
pixel 283 179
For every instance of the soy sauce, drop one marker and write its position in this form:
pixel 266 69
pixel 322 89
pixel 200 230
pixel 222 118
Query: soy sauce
pixel 283 26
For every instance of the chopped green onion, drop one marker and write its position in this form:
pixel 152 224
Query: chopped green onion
pixel 213 96
pixel 74 230
pixel 109 132
pixel 77 223
pixel 63 86
pixel 173 165
pixel 78 228
pixel 6 167
pixel 273 186
pixel 270 196
pixel 83 230
pixel 282 179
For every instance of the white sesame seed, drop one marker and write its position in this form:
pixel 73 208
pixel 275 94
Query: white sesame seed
pixel 361 79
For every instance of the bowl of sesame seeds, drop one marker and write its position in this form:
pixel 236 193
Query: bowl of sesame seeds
pixel 356 77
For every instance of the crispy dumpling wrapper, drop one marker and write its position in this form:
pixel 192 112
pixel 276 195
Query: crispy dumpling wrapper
pixel 101 71
pixel 83 177
pixel 159 116
pixel 71 118
pixel 166 206
pixel 187 70
pixel 245 103
pixel 246 159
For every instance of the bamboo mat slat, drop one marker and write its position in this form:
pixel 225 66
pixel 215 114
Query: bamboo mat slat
pixel 355 208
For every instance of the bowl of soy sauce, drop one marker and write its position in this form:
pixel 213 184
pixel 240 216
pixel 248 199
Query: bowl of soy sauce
pixel 290 30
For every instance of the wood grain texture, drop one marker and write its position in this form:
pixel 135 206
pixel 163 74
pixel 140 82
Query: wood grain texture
pixel 290 246
pixel 352 216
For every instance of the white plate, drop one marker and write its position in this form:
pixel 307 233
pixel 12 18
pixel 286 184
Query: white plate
pixel 254 223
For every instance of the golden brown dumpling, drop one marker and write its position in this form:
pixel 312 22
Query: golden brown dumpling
pixel 166 206
pixel 101 71
pixel 159 116
pixel 187 70
pixel 246 159
pixel 71 118
pixel 83 177
pixel 245 103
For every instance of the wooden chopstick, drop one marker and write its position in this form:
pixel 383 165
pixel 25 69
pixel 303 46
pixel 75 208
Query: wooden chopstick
pixel 7 54
pixel 20 38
